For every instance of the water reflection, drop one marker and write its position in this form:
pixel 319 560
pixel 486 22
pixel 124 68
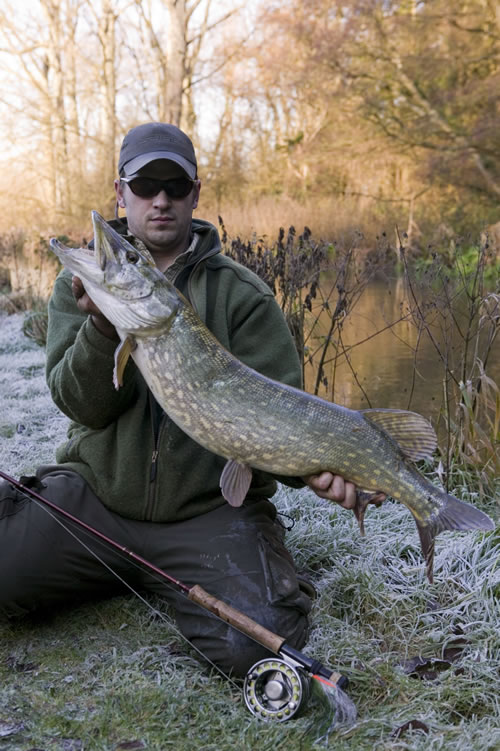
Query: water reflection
pixel 392 361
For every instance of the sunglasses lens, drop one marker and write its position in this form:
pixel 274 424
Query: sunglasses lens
pixel 179 188
pixel 147 187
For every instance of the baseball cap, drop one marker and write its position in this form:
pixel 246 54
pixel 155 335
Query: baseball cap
pixel 151 141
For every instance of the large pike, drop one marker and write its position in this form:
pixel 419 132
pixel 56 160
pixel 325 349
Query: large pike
pixel 245 417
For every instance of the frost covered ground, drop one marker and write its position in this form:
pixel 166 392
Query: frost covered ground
pixel 31 426
pixel 423 660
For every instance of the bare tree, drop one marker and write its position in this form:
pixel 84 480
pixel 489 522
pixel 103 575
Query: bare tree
pixel 106 18
pixel 44 54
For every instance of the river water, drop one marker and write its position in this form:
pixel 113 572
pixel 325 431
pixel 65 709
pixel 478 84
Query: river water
pixel 395 362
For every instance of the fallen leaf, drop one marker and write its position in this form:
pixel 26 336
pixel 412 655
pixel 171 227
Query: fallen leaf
pixel 425 668
pixel 20 667
pixel 129 744
pixel 410 725
pixel 454 648
pixel 429 668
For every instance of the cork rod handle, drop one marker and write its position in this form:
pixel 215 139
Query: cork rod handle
pixel 239 620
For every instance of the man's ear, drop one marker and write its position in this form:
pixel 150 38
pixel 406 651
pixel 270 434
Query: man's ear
pixel 120 200
pixel 196 195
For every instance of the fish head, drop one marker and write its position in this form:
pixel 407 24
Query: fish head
pixel 127 273
pixel 123 282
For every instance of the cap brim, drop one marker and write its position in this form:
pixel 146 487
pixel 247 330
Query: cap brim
pixel 130 168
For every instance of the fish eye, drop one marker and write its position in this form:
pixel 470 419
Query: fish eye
pixel 132 256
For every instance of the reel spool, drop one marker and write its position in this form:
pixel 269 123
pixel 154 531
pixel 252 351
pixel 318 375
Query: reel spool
pixel 275 690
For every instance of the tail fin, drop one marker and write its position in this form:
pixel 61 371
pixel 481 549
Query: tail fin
pixel 454 514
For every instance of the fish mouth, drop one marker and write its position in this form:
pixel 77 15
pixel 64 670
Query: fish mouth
pixel 106 241
pixel 113 265
pixel 91 263
pixel 81 261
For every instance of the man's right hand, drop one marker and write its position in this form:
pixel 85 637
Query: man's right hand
pixel 86 305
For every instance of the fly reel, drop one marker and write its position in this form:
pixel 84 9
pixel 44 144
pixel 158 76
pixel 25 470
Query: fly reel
pixel 275 691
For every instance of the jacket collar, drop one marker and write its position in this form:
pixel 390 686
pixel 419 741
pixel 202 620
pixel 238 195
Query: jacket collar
pixel 208 243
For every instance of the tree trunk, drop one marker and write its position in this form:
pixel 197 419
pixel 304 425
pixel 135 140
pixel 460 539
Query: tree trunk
pixel 176 60
pixel 107 37
pixel 57 118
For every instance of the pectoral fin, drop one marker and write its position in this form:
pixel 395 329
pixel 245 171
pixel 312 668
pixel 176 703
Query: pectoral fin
pixel 413 433
pixel 235 481
pixel 363 499
pixel 122 353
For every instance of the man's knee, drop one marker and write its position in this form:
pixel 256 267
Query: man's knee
pixel 235 653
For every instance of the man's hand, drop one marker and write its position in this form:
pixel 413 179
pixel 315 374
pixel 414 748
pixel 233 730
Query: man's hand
pixel 335 488
pixel 86 305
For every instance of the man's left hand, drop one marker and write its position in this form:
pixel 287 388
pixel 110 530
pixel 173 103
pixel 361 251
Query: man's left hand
pixel 335 488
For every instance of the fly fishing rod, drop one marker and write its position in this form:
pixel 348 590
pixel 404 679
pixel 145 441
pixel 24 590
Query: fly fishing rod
pixel 274 689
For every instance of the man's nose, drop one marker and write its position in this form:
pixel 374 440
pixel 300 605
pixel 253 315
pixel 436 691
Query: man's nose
pixel 161 199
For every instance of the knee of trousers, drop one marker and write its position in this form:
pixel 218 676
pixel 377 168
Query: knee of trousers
pixel 235 653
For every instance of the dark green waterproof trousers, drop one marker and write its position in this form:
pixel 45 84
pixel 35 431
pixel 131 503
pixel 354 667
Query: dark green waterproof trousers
pixel 236 554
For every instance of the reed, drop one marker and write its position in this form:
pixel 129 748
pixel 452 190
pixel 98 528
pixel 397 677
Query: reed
pixel 460 313
pixel 27 268
pixel 310 278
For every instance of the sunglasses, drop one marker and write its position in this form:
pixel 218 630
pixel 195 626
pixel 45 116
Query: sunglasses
pixel 149 187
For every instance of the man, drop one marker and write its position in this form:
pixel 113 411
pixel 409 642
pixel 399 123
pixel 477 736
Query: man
pixel 127 469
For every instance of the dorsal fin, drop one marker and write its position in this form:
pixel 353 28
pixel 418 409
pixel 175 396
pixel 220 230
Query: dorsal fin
pixel 413 433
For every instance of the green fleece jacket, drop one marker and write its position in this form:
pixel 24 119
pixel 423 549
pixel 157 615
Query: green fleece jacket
pixel 137 461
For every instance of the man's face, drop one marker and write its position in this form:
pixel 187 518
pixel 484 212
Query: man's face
pixel 162 223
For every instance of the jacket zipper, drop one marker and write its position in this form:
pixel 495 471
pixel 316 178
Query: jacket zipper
pixel 157 421
pixel 152 474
